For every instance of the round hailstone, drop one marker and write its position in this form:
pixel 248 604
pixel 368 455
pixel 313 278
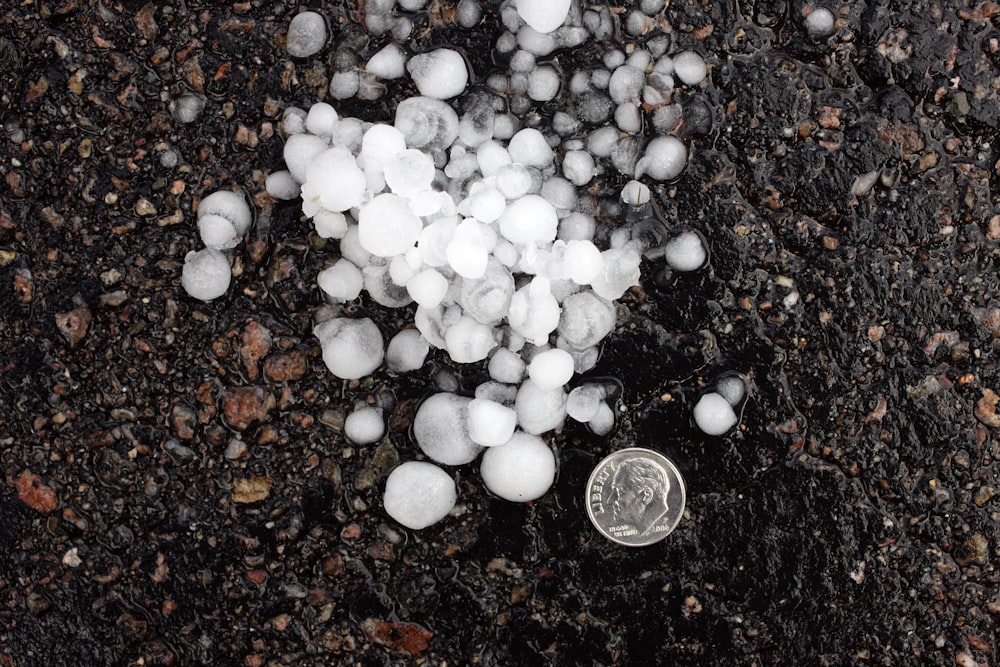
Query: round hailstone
pixel 364 425
pixel 439 74
pixel 539 410
pixel 530 219
pixel 584 402
pixel 586 319
pixel 578 167
pixel 819 23
pixel 603 422
pixel 490 424
pixel 487 299
pixel 543 15
pixel 321 119
pixel 534 312
pixel 714 415
pixel 543 84
pixel 419 494
pixel 664 159
pixel 333 181
pixel 387 227
pixel 217 232
pixel 551 369
pixel 388 63
pixel 469 341
pixel 206 274
pixel 280 185
pixel 342 281
pixel 521 470
pixel 468 252
pixel 299 152
pixel 685 252
pixel 582 261
pixel 306 35
pixel 427 288
pixel 352 349
pixel 426 122
pixel 689 67
pixel 223 218
pixel 529 147
pixel 733 388
pixel 506 366
pixel 406 352
pixel 409 172
pixel 381 142
pixel 441 429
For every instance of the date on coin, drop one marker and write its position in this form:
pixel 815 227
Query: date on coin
pixel 635 496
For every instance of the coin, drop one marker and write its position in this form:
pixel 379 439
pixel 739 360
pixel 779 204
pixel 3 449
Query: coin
pixel 635 496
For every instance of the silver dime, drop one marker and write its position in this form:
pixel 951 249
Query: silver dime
pixel 635 496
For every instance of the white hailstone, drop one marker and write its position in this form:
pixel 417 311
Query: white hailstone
pixel 381 143
pixel 538 43
pixel 689 67
pixel 378 283
pixel 732 388
pixel 713 414
pixel 521 470
pixel 400 270
pixel 504 126
pixel 223 218
pixel 293 120
pixel 529 147
pixel 427 123
pixel 439 74
pixel 432 243
pixel 635 193
pixel 333 181
pixel 321 119
pixel 586 319
pixel 187 108
pixel 419 494
pixel 468 251
pixel 406 352
pixel 513 180
pixel 409 172
pixel 603 422
pixel 663 159
pixel 543 84
pixel 344 85
pixel 628 117
pixel 534 312
pixel 668 117
pixel 490 424
pixel 364 425
pixel 819 23
pixel 619 271
pixel 280 185
pixel 601 142
pixel 578 167
pixel 486 203
pixel 387 227
pixel 469 341
pixel 388 63
pixel 498 392
pixel 469 13
pixel 559 192
pixel 206 274
pixel 506 366
pixel 352 348
pixel 584 402
pixel 539 410
pixel 411 5
pixel 685 252
pixel 342 281
pixel 626 84
pixel 577 227
pixel 350 247
pixel 551 369
pixel 306 35
pixel 427 287
pixel 582 261
pixel 441 429
pixel 529 219
pixel 491 156
pixel 543 16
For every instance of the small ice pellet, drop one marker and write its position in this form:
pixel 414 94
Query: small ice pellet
pixel 603 421
pixel 732 388
pixel 419 494
pixel 342 281
pixel 551 369
pixel 539 410
pixel 544 17
pixel 280 185
pixel 406 352
pixel 321 119
pixel 529 147
pixel 306 34
pixel 689 67
pixel 685 252
pixel 388 63
pixel 233 207
pixel 206 274
pixel 187 108
pixel 330 224
pixel 439 74
pixel 490 424
pixel 578 167
pixel 819 23
pixel 663 160
pixel 543 84
pixel 714 415
pixel 506 366
pixel 520 471
pixel 365 425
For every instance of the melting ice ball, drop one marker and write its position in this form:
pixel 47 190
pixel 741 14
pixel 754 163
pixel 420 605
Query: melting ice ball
pixel 521 470
pixel 223 218
pixel 418 494
pixel 714 415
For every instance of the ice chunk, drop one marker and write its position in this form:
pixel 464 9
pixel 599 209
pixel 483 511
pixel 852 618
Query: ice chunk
pixel 364 425
pixel 539 410
pixel 689 67
pixel 551 369
pixel 306 34
pixel 619 271
pixel 521 470
pixel 352 348
pixel 406 352
pixel 333 181
pixel 440 74
pixel 490 424
pixel 427 123
pixel 530 219
pixel 206 274
pixel 506 366
pixel 427 288
pixel 469 341
pixel 487 299
pixel 529 147
pixel 388 63
pixel 419 494
pixel 341 281
pixel 387 227
pixel 586 319
pixel 713 414
pixel 441 429
pixel 685 252
pixel 543 15
pixel 534 312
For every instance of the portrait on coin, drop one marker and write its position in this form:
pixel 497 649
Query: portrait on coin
pixel 639 493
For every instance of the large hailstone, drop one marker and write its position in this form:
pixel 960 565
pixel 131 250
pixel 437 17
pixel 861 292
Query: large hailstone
pixel 523 469
pixel 418 494
pixel 441 429
pixel 206 274
pixel 223 218
pixel 352 348
pixel 440 74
